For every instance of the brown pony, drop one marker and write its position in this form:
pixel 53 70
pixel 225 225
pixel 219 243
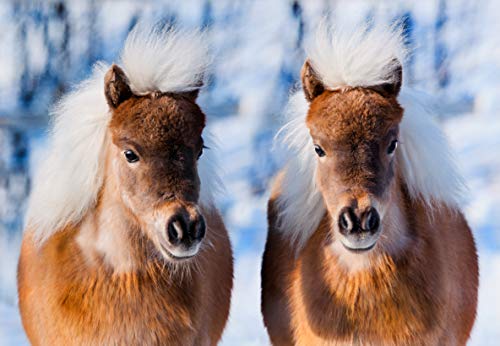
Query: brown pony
pixel 122 246
pixel 366 243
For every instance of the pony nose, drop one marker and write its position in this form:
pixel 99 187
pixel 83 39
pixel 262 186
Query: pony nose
pixel 350 221
pixel 370 220
pixel 181 229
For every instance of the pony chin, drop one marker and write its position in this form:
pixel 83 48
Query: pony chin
pixel 363 246
pixel 176 255
pixel 352 261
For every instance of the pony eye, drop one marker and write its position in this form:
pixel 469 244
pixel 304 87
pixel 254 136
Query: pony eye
pixel 392 147
pixel 131 156
pixel 319 150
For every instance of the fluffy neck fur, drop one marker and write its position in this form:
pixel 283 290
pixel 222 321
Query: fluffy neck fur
pixel 394 302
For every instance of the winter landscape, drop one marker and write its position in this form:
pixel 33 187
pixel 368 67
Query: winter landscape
pixel 49 46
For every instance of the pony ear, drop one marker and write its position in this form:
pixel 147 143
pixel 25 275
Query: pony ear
pixel 393 88
pixel 192 95
pixel 116 87
pixel 312 85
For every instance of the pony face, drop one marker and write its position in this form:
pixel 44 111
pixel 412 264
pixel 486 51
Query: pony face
pixel 156 142
pixel 355 136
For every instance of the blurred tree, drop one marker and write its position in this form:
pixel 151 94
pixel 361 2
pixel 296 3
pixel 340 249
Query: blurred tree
pixel 265 163
pixel 94 45
pixel 207 18
pixel 29 78
pixel 56 38
pixel 440 50
pixel 207 21
pixel 408 24
pixel 40 85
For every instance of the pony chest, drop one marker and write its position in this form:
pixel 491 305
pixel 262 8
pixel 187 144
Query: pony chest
pixel 391 310
pixel 126 307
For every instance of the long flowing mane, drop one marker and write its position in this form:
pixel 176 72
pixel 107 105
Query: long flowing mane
pixel 68 181
pixel 361 58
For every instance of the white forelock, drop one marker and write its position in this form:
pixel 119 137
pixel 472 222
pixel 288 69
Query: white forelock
pixel 167 60
pixel 424 156
pixel 356 57
pixel 67 182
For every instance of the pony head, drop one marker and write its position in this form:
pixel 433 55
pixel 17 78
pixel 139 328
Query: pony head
pixel 358 143
pixel 156 143
pixel 355 135
pixel 134 132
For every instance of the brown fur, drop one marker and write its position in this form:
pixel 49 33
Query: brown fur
pixel 417 286
pixel 425 296
pixel 104 281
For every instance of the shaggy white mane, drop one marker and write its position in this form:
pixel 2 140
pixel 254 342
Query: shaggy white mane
pixel 362 58
pixel 67 183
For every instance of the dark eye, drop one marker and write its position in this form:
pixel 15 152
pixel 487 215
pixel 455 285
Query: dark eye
pixel 319 151
pixel 131 156
pixel 392 147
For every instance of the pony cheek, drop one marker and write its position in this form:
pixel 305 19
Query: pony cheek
pixel 133 194
pixel 322 182
pixel 332 206
pixel 328 191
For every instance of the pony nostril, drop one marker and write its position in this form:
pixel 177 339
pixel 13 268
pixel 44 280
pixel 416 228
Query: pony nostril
pixel 343 221
pixel 175 232
pixel 371 220
pixel 346 221
pixel 199 229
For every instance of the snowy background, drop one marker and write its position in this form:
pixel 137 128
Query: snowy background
pixel 48 46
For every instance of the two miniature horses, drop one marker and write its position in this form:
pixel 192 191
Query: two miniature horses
pixel 139 255
pixel 366 244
